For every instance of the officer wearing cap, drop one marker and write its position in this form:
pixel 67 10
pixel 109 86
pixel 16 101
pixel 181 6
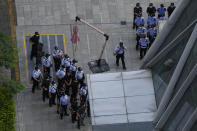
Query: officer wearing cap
pixel 161 11
pixel 79 75
pixel 36 77
pixel 68 81
pixel 57 54
pixel 45 86
pixel 83 93
pixel 144 41
pixel 151 34
pixel 52 93
pixel 151 10
pixel 73 67
pixel 136 11
pixel 66 61
pixel 34 40
pixel 63 105
pixel 151 21
pixel 47 63
pixel 171 9
pixel 139 20
pixel 60 74
pixel 119 52
pixel 141 31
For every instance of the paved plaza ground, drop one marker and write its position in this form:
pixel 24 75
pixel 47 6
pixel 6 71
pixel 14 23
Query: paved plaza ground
pixel 56 17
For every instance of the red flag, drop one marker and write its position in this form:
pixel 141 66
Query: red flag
pixel 75 37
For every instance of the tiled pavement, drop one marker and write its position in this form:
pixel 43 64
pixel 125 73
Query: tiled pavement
pixel 57 17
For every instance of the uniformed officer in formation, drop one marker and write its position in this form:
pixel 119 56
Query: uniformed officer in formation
pixel 66 61
pixel 161 11
pixel 79 75
pixel 57 55
pixel 60 74
pixel 151 21
pixel 45 86
pixel 141 31
pixel 83 93
pixel 139 20
pixel 36 77
pixel 151 34
pixel 144 42
pixel 137 11
pixel 34 40
pixel 47 63
pixel 151 10
pixel 119 51
pixel 171 9
pixel 52 93
pixel 63 104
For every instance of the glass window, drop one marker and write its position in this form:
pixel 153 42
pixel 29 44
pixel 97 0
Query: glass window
pixel 183 110
pixel 164 68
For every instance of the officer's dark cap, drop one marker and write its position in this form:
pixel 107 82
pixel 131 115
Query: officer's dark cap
pixel 53 82
pixel 63 66
pixel 162 5
pixel 137 4
pixel 172 4
pixel 74 61
pixel 47 55
pixel 56 47
pixel 66 56
pixel 79 69
pixel 150 4
pixel 36 67
pixel 36 33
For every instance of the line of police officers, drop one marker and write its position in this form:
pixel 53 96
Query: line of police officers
pixel 146 36
pixel 70 86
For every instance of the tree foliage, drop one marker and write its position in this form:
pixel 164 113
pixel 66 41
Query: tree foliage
pixel 8 52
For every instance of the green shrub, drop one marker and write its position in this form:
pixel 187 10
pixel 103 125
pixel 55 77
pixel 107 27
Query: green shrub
pixel 7 111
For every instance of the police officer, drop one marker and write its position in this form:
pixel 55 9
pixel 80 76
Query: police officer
pixel 151 34
pixel 74 87
pixel 34 40
pixel 36 77
pixel 68 82
pixel 141 31
pixel 40 53
pixel 144 41
pixel 79 75
pixel 60 74
pixel 73 67
pixel 47 63
pixel 119 51
pixel 151 10
pixel 66 61
pixel 59 92
pixel 139 20
pixel 151 21
pixel 83 94
pixel 57 54
pixel 45 86
pixel 81 115
pixel 137 11
pixel 161 11
pixel 63 105
pixel 171 9
pixel 52 93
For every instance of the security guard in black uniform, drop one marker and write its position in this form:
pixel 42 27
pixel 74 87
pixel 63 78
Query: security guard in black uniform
pixel 45 86
pixel 171 9
pixel 137 11
pixel 34 40
pixel 151 10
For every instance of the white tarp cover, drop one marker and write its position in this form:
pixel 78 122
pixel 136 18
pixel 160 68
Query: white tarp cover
pixel 123 97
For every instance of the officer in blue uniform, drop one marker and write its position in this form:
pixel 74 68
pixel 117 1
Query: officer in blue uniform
pixel 144 42
pixel 137 11
pixel 66 61
pixel 141 31
pixel 60 74
pixel 83 94
pixel 139 20
pixel 63 105
pixel 119 52
pixel 151 34
pixel 151 10
pixel 52 93
pixel 36 77
pixel 47 63
pixel 73 67
pixel 151 21
pixel 161 11
pixel 79 75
